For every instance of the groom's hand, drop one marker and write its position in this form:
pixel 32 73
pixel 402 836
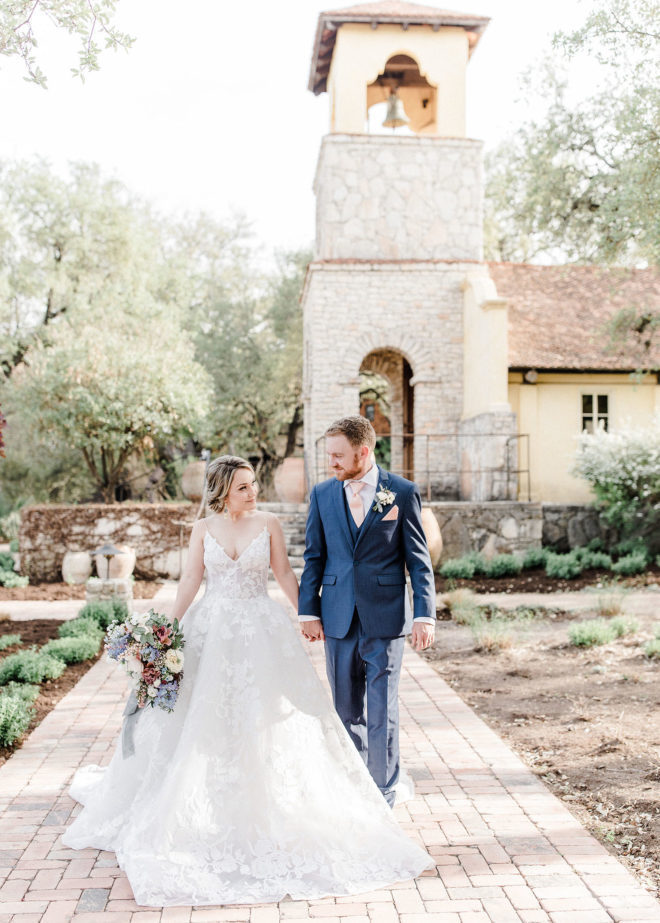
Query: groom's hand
pixel 423 636
pixel 313 630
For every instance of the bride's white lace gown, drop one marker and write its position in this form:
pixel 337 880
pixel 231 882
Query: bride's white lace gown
pixel 250 790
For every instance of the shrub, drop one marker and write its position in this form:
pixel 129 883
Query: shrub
pixel 458 569
pixel 480 562
pixel 104 612
pixel 24 691
pixel 492 635
pixel 73 650
pixel 30 666
pixel 6 561
pixel 15 716
pixel 463 606
pixel 635 545
pixel 624 471
pixel 624 626
pixel 10 579
pixel 9 641
pixel 596 560
pixel 632 564
pixel 591 632
pixel 563 566
pixel 652 648
pixel 535 557
pixel 79 627
pixel 610 599
pixel 596 544
pixel 503 565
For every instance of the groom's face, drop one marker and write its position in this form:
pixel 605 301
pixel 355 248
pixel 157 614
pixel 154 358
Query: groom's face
pixel 345 460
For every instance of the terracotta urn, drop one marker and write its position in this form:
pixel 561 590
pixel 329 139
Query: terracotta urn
pixel 76 567
pixel 192 480
pixel 121 565
pixel 433 535
pixel 289 480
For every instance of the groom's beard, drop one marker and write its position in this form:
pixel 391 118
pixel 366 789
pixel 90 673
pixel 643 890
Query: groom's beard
pixel 345 474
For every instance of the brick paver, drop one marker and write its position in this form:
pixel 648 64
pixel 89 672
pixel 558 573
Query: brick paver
pixel 505 848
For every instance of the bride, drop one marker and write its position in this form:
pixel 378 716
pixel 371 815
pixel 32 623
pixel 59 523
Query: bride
pixel 251 789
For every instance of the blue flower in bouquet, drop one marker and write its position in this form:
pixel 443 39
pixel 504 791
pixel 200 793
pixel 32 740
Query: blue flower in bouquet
pixel 149 654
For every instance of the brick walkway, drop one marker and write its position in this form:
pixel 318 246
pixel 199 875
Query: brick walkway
pixel 506 849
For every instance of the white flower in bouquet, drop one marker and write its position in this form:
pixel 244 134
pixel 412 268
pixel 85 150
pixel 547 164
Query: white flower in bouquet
pixel 140 618
pixel 151 692
pixel 133 665
pixel 174 661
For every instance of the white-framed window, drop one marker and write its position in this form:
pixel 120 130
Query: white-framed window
pixel 595 412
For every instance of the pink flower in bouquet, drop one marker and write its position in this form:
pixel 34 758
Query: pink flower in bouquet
pixel 150 674
pixel 163 634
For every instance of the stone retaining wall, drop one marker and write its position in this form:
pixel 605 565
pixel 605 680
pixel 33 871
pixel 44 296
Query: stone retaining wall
pixel 569 526
pixel 48 531
pixel 492 528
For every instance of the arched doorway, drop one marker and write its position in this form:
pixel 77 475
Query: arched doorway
pixel 387 399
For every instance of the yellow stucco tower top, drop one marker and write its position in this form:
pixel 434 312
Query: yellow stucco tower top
pixel 364 53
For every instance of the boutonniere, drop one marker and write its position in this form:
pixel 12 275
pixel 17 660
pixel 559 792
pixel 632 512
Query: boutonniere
pixel 383 498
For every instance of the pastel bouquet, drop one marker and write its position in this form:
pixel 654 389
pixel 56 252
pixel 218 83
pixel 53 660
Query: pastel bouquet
pixel 150 648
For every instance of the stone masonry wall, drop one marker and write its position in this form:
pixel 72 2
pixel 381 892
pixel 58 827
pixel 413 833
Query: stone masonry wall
pixel 394 198
pixel 352 310
pixel 47 532
pixel 570 526
pixel 492 528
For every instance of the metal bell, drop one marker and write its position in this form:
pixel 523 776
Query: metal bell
pixel 396 116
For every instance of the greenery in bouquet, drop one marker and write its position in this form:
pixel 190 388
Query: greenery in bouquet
pixel 150 648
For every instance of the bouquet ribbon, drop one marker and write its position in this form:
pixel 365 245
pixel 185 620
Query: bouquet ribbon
pixel 131 715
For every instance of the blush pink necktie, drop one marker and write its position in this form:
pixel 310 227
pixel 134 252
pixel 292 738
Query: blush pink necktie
pixel 355 504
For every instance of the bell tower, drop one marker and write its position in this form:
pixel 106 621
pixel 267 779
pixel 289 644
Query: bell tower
pixel 398 281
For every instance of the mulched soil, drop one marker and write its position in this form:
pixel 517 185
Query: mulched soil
pixel 50 592
pixel 537 581
pixel 586 721
pixel 38 631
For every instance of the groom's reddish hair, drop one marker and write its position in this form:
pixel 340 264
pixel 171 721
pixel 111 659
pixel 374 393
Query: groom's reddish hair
pixel 358 430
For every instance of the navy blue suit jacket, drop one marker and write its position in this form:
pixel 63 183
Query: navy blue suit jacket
pixel 341 576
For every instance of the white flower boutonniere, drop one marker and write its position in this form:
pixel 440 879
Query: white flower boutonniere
pixel 383 498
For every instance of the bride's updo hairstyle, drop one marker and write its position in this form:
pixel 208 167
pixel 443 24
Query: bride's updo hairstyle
pixel 219 476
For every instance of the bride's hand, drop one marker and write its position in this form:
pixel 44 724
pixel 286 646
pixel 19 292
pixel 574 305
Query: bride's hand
pixel 313 630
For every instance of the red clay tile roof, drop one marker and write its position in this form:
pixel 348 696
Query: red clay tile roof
pixel 386 11
pixel 558 315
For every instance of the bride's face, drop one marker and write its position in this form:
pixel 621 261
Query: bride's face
pixel 243 492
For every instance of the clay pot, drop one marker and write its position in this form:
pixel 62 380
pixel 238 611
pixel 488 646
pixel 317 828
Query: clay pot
pixel 121 566
pixel 76 567
pixel 433 535
pixel 289 480
pixel 193 479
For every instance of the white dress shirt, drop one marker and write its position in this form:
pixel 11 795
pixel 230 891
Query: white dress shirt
pixel 367 495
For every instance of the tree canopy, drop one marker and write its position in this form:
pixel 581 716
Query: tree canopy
pixel 90 21
pixel 581 181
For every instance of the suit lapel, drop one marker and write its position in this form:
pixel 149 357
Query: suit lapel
pixel 340 510
pixel 373 515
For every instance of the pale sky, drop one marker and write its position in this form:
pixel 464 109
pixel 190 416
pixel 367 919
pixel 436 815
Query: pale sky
pixel 210 108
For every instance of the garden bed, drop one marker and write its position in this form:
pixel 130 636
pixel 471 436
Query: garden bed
pixel 50 592
pixel 39 631
pixel 537 581
pixel 586 720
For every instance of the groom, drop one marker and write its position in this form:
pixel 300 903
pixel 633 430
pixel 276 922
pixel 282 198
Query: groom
pixel 364 527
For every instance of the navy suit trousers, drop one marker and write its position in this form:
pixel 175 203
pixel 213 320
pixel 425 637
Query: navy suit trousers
pixel 364 678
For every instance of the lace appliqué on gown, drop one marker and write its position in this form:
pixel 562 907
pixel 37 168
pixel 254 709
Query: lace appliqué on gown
pixel 251 789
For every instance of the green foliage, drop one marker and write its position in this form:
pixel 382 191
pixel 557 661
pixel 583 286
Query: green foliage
pixel 492 635
pixel 6 561
pixel 25 691
pixel 631 564
pixel 21 22
pixel 9 527
pixel 535 557
pixel 623 626
pixel 463 606
pixel 563 566
pixel 592 632
pixel 81 627
pixel 31 666
pixel 458 569
pixel 73 650
pixel 623 469
pixel 8 576
pixel 503 565
pixel 652 648
pixel 593 559
pixel 9 641
pixel 15 717
pixel 104 612
pixel 580 179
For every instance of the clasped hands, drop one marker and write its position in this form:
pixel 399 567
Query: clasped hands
pixel 422 634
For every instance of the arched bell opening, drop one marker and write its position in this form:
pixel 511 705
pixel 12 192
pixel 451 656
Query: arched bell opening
pixel 387 399
pixel 401 99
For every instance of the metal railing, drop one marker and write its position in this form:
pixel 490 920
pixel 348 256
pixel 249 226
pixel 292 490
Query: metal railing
pixel 451 466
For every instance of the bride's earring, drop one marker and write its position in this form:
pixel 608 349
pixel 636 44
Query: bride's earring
pixel 226 513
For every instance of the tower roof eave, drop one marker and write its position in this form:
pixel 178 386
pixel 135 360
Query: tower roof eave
pixel 375 14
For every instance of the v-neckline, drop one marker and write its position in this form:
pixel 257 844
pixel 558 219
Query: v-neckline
pixel 248 546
